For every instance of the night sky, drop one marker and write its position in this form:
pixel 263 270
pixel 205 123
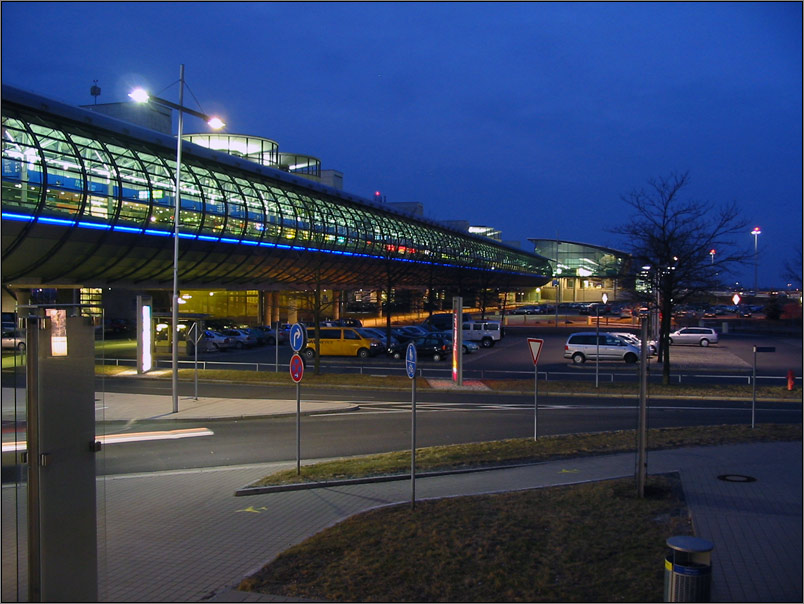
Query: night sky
pixel 534 118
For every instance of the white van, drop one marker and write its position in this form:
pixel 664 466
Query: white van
pixel 586 345
pixel 484 332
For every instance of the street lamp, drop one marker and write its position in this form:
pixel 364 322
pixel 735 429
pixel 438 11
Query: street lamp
pixel 756 232
pixel 712 254
pixel 141 96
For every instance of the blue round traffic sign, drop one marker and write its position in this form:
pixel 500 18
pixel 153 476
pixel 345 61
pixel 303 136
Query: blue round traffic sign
pixel 410 360
pixel 297 337
pixel 296 368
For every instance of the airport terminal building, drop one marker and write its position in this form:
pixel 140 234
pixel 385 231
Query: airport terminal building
pixel 88 215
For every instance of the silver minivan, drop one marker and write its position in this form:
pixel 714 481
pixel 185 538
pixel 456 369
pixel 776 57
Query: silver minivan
pixel 612 347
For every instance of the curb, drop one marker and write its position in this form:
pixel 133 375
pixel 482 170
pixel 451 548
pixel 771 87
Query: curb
pixel 299 486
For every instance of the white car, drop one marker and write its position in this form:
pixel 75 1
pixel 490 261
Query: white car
pixel 14 340
pixel 700 336
pixel 216 340
pixel 240 338
pixel 634 339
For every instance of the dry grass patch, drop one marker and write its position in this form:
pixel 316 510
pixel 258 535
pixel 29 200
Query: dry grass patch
pixel 580 543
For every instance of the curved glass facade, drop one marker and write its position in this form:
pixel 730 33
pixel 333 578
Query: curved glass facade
pixel 59 171
pixel 570 259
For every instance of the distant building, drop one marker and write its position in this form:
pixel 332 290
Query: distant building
pixel 582 271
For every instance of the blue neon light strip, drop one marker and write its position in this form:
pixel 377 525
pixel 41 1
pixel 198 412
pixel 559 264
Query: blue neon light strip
pixel 125 229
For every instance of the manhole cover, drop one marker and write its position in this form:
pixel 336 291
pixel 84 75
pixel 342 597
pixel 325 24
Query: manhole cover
pixel 736 478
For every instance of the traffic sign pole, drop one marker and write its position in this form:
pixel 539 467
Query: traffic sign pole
pixel 413 443
pixel 410 369
pixel 298 428
pixel 296 374
pixel 535 347
pixel 535 401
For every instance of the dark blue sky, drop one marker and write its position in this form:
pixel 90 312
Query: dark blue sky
pixel 534 118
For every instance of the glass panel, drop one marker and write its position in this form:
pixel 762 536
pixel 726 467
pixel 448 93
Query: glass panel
pixel 22 167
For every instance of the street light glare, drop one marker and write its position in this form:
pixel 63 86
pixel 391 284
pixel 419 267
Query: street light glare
pixel 140 95
pixel 215 123
pixel 756 231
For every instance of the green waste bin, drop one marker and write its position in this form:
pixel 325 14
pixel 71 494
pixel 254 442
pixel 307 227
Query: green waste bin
pixel 688 569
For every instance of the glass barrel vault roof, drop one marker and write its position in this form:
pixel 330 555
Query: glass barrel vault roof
pixel 88 199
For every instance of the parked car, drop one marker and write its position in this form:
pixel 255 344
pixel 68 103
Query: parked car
pixel 378 334
pixel 468 346
pixel 528 309
pixel 634 339
pixel 590 309
pixel 216 340
pixel 611 347
pixel 409 332
pixel 341 341
pixel 701 336
pixel 487 333
pixel 14 340
pixel 268 335
pixel 433 345
pixel 438 322
pixel 241 338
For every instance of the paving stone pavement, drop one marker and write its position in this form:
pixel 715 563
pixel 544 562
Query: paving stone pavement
pixel 184 536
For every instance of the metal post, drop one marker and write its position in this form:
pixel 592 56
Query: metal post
pixel 642 462
pixel 597 345
pixel 298 429
pixel 196 341
pixel 176 211
pixel 413 443
pixel 535 401
pixel 276 347
pixel 32 454
pixel 754 389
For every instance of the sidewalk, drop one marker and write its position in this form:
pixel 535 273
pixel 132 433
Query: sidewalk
pixel 116 406
pixel 183 536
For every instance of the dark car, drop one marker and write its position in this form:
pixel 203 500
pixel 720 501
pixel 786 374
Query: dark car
pixel 407 333
pixel 433 345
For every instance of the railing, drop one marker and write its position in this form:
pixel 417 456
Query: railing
pixel 436 372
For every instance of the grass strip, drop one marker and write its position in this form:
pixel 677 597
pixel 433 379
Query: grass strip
pixel 518 450
pixel 595 542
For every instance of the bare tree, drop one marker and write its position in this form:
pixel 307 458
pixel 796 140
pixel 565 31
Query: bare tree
pixel 791 272
pixel 673 236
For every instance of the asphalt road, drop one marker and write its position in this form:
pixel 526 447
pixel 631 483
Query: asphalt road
pixel 383 424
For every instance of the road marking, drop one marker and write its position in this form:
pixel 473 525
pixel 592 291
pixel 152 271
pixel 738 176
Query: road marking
pixel 568 471
pixel 251 509
pixel 112 439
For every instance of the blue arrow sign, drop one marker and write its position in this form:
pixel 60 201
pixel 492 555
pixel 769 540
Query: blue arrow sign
pixel 296 337
pixel 410 360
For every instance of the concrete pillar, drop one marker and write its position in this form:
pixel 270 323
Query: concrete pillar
pixel 275 307
pixel 293 311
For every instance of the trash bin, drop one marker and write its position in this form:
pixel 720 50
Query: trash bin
pixel 688 569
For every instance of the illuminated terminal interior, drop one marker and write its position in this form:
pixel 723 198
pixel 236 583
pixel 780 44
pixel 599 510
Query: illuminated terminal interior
pixel 583 271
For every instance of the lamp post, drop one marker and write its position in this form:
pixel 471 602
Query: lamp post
pixel 712 255
pixel 141 96
pixel 756 232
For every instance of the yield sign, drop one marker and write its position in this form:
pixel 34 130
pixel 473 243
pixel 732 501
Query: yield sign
pixel 535 346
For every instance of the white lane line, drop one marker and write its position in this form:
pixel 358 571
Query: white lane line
pixel 112 439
